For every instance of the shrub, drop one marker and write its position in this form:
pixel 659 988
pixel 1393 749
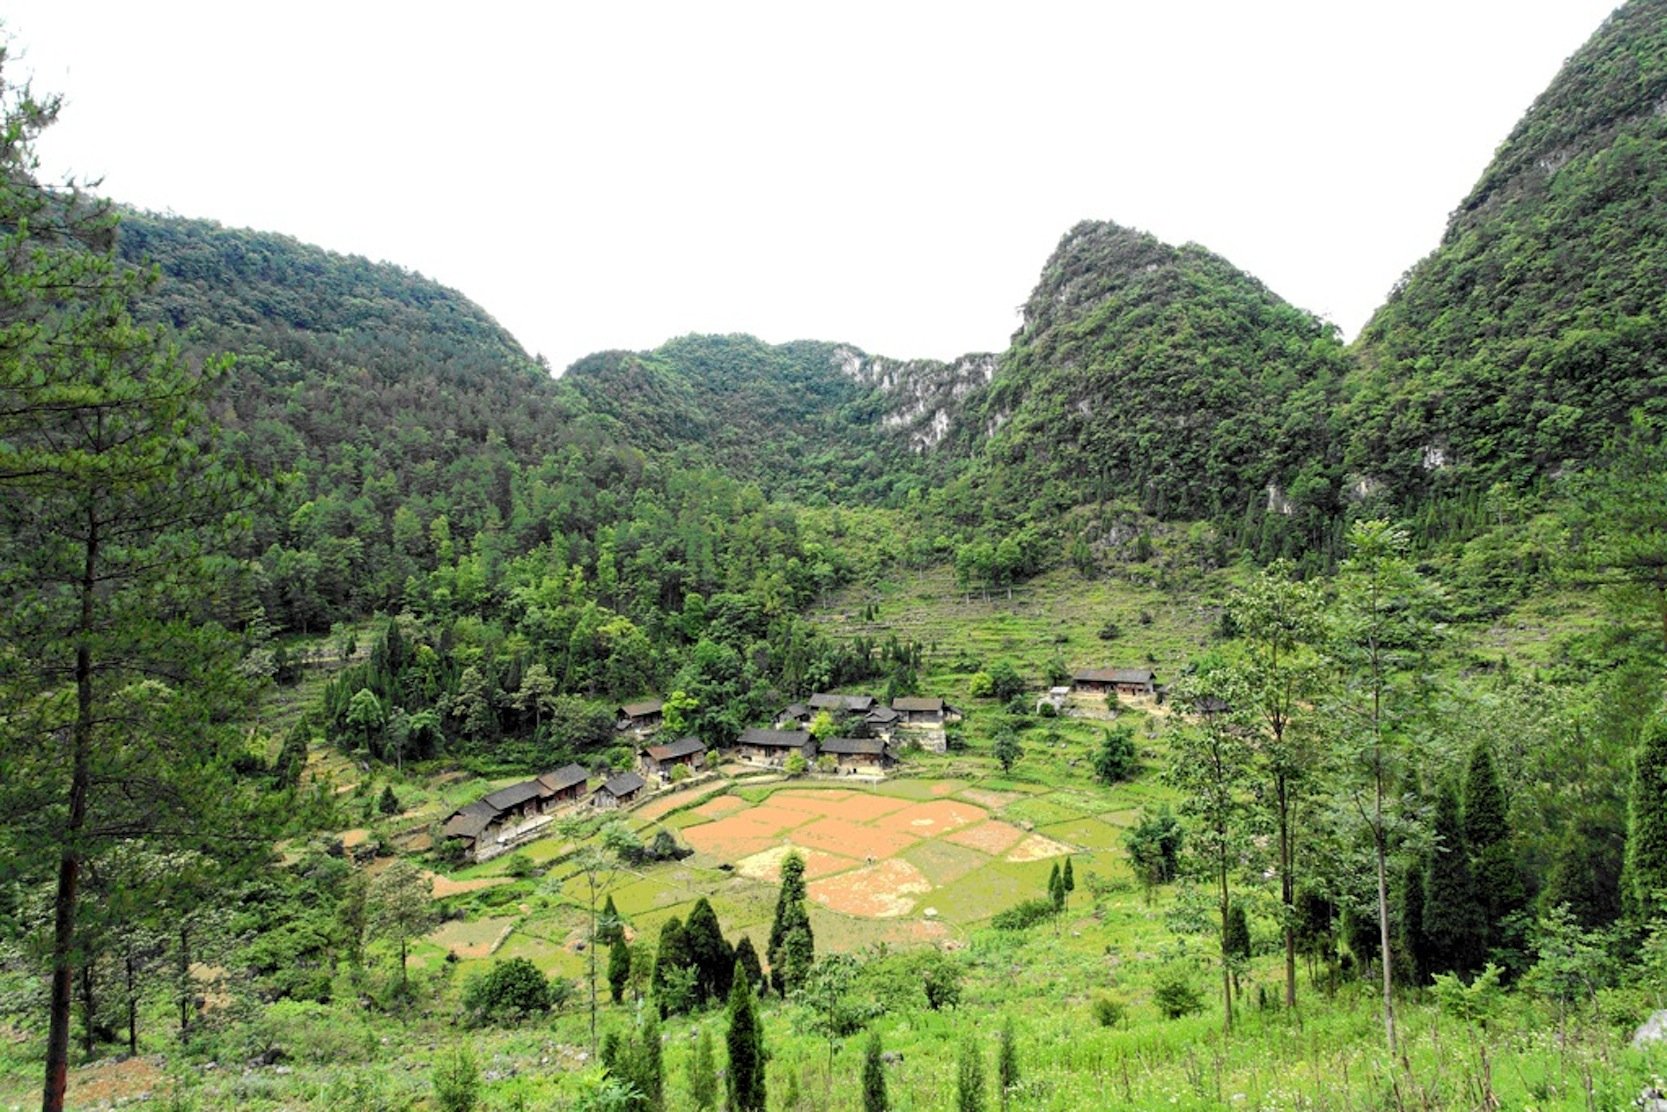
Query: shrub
pixel 1108 1010
pixel 507 993
pixel 456 1081
pixel 980 685
pixel 796 765
pixel 1116 758
pixel 519 865
pixel 1174 993
pixel 941 979
pixel 1047 710
pixel 1110 631
pixel 1024 914
pixel 389 803
pixel 680 774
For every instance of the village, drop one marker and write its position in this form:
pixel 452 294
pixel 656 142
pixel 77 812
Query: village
pixel 871 739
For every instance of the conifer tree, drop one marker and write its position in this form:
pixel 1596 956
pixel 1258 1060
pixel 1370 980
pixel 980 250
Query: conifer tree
pixel 672 962
pixel 1067 881
pixel 789 965
pixel 711 954
pixel 650 1062
pixel 1645 890
pixel 703 1072
pixel 1454 921
pixel 1007 1061
pixel 609 925
pixel 1056 887
pixel 619 968
pixel 747 958
pixel 1499 882
pixel 744 1079
pixel 969 1078
pixel 873 1076
pixel 1413 945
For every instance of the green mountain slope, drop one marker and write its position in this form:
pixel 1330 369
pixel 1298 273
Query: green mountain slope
pixel 1541 320
pixel 1162 375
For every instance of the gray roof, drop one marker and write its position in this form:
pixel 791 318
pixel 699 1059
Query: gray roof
pixel 1114 675
pixel 774 739
pixel 643 709
pixel 796 710
pixel 883 714
pixel 468 822
pixel 821 701
pixel 623 784
pixel 853 746
pixel 514 795
pixel 683 747
pixel 563 778
pixel 917 703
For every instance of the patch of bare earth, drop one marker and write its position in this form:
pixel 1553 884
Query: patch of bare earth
pixel 104 1083
pixel 992 800
pixel 1037 848
pixel 931 819
pixel 881 891
pixel 766 866
pixel 722 805
pixel 852 839
pixel 989 837
pixel 445 886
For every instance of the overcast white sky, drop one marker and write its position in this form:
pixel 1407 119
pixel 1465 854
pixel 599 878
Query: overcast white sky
pixel 893 175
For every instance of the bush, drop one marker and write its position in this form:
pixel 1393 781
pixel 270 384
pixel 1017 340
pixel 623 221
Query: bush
pixel 1116 758
pixel 519 865
pixel 796 764
pixel 941 978
pixel 680 774
pixel 1006 682
pixel 1024 914
pixel 1108 1010
pixel 1174 993
pixel 980 685
pixel 1110 631
pixel 1047 710
pixel 509 992
pixel 456 1081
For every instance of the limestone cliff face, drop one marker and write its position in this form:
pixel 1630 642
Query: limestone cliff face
pixel 924 401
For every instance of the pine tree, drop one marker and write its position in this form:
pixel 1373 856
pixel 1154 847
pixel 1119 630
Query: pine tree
pixel 791 917
pixel 873 1076
pixel 744 1079
pixel 1645 890
pixel 672 962
pixel 703 1073
pixel 1067 881
pixel 1454 920
pixel 1007 1061
pixel 969 1078
pixel 1056 887
pixel 619 968
pixel 650 1071
pixel 609 925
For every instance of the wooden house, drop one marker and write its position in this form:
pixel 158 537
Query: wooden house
pixel 795 715
pixel 882 720
pixel 622 789
pixel 842 704
pixel 1132 682
pixel 499 819
pixel 858 754
pixel 564 786
pixel 919 710
pixel 642 717
pixel 772 747
pixel 659 760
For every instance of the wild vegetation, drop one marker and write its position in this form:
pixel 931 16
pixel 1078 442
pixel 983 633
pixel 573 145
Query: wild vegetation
pixel 299 554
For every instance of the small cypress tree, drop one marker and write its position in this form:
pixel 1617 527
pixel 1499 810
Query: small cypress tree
pixel 1068 880
pixel 389 803
pixel 1007 1061
pixel 609 926
pixel 1645 889
pixel 873 1076
pixel 1414 951
pixel 703 1073
pixel 712 956
pixel 790 911
pixel 1235 941
pixel 969 1079
pixel 798 952
pixel 1454 920
pixel 1056 887
pixel 650 1069
pixel 744 1078
pixel 1487 832
pixel 619 968
pixel 670 961
pixel 747 959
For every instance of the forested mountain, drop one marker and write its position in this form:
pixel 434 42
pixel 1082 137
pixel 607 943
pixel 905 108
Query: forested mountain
pixel 1517 346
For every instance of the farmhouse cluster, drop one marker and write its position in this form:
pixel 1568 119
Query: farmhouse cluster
pixel 869 735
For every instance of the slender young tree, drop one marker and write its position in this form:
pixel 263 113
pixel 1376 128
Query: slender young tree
pixel 1007 1062
pixel 1211 762
pixel 874 1075
pixel 619 967
pixel 703 1072
pixel 789 964
pixel 969 1078
pixel 1645 890
pixel 1379 626
pixel 1278 620
pixel 1493 859
pixel 401 907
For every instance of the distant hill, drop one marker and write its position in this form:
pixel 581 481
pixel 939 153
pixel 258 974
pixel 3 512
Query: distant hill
pixel 1162 375
pixel 1517 346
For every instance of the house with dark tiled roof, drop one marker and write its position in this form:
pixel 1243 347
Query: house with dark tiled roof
pixel 622 789
pixel 920 710
pixel 857 754
pixel 773 747
pixel 1122 681
pixel 842 704
pixel 660 760
pixel 514 814
pixel 643 716
pixel 564 786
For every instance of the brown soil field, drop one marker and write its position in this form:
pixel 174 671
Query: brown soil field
pixel 929 819
pixel 852 839
pixel 991 837
pixel 989 799
pixel 766 866
pixel 878 891
pixel 722 805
